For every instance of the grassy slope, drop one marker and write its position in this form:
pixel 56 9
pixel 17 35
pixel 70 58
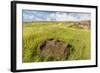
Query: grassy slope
pixel 34 33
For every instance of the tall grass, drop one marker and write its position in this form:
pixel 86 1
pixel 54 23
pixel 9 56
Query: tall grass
pixel 36 32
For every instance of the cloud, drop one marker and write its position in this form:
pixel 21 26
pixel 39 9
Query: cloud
pixel 51 17
pixel 54 16
pixel 27 17
pixel 85 17
pixel 64 16
pixel 60 16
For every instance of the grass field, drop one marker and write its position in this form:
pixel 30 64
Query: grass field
pixel 35 32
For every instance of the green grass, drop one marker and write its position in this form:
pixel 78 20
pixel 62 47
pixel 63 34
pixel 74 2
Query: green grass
pixel 36 32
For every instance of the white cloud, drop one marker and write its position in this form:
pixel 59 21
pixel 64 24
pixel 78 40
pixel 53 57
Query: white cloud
pixel 61 16
pixel 85 17
pixel 65 17
pixel 48 19
pixel 39 19
pixel 28 17
pixel 55 16
pixel 71 18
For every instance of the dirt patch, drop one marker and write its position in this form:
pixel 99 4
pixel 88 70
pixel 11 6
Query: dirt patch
pixel 55 49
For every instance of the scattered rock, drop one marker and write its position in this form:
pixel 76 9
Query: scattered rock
pixel 56 49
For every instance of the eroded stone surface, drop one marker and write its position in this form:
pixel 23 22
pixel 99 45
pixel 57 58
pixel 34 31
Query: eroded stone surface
pixel 55 49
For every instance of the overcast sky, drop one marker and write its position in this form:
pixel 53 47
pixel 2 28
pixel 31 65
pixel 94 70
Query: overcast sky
pixel 33 15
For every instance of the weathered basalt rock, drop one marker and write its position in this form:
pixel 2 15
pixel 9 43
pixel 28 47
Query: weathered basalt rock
pixel 56 49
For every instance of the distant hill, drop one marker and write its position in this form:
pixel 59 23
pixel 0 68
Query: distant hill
pixel 86 24
pixel 81 24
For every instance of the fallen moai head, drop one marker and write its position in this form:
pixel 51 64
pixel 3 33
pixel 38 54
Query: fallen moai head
pixel 55 49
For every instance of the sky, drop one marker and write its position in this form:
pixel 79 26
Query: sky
pixel 35 15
